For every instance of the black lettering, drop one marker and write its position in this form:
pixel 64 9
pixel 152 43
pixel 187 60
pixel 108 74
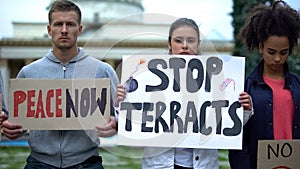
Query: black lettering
pixel 203 129
pixel 93 100
pixel 174 109
pixel 70 104
pixel 103 102
pixel 275 152
pixel 129 107
pixel 191 110
pixel 237 123
pixel 176 64
pixel 218 107
pixel 160 109
pixel 288 151
pixel 100 103
pixel 85 102
pixel 193 85
pixel 152 66
pixel 214 66
pixel 146 107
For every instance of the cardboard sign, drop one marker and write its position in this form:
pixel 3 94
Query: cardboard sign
pixel 182 101
pixel 59 104
pixel 278 154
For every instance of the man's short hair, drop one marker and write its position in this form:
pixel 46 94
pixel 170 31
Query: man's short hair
pixel 64 5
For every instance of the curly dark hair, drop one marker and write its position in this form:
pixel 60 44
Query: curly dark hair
pixel 279 19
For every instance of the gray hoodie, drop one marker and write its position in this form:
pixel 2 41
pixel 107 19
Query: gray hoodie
pixel 2 93
pixel 65 148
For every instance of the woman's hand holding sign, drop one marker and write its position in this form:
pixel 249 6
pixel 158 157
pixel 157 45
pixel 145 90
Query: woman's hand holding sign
pixel 245 100
pixel 121 94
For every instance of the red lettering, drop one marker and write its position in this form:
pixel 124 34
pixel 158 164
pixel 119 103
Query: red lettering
pixel 281 167
pixel 30 103
pixel 40 106
pixel 19 97
pixel 58 103
pixel 50 94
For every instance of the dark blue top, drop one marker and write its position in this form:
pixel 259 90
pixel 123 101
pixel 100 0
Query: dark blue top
pixel 260 125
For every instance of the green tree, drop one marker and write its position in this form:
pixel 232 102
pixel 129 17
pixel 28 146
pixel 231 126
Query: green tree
pixel 241 9
pixel 294 60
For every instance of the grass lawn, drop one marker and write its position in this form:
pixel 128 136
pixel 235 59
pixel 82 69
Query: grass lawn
pixel 113 157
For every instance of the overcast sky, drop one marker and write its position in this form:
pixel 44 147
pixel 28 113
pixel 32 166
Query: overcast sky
pixel 212 15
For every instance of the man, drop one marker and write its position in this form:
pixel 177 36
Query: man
pixel 65 149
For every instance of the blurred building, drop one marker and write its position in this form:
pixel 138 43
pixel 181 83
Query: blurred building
pixel 111 29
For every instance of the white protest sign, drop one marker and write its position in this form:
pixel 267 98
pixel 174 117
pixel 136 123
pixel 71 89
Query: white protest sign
pixel 59 104
pixel 182 101
pixel 278 154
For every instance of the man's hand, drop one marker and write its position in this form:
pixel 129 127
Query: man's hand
pixel 11 130
pixel 3 117
pixel 109 129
